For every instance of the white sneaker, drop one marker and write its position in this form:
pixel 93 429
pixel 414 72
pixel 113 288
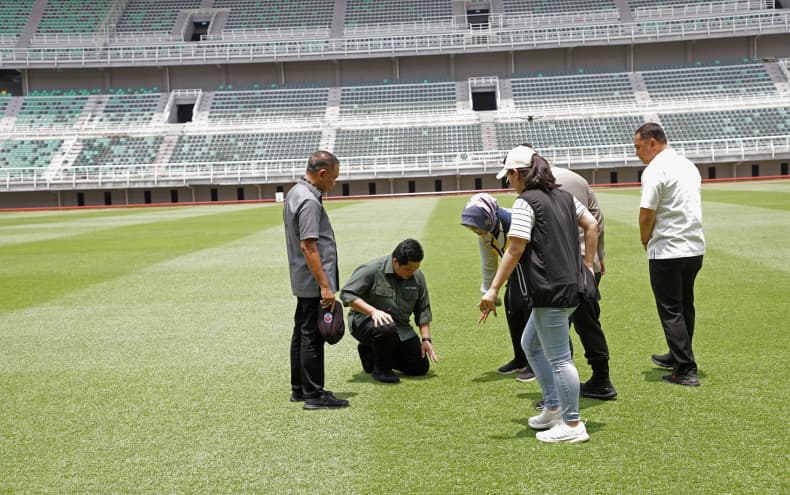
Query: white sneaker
pixel 546 419
pixel 564 433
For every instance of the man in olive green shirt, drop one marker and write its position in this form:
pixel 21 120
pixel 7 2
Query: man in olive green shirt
pixel 383 294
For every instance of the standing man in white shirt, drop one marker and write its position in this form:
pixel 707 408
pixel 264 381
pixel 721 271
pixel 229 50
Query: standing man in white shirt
pixel 670 226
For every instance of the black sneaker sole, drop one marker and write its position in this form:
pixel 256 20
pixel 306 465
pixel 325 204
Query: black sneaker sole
pixel 312 407
pixel 662 364
pixel 606 396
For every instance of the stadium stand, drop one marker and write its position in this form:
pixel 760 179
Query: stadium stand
pixel 538 93
pixel 73 16
pixel 28 153
pixel 408 140
pixel 557 6
pixel 395 11
pixel 129 110
pixel 724 82
pixel 397 100
pixel 277 14
pixel 117 151
pixel 270 105
pixel 50 111
pixel 743 123
pixel 601 131
pixel 153 15
pixel 13 16
pixel 236 147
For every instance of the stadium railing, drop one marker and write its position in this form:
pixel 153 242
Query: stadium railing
pixel 701 9
pixel 776 21
pixel 466 163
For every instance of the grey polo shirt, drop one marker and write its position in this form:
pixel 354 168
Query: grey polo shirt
pixel 304 217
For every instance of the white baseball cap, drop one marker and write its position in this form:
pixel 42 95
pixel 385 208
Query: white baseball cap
pixel 518 157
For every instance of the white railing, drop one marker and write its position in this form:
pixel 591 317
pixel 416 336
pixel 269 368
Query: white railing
pixel 699 9
pixel 8 39
pixel 267 34
pixel 460 163
pixel 784 64
pixel 777 21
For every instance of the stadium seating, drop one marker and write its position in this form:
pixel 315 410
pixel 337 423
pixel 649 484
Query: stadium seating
pixel 408 140
pixel 743 123
pixel 395 11
pixel 271 105
pixel 557 6
pixel 24 153
pixel 118 151
pixel 14 16
pixel 546 92
pixel 276 14
pixel 398 99
pixel 245 146
pixel 705 83
pixel 153 15
pixel 129 110
pixel 73 16
pixel 600 131
pixel 50 111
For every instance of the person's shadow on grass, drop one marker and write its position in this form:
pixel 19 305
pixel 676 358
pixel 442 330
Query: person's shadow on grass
pixel 492 376
pixel 362 377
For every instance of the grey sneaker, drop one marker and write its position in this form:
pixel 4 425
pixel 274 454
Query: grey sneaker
pixel 546 419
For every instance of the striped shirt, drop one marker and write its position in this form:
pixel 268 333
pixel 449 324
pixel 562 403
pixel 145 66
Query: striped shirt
pixel 523 218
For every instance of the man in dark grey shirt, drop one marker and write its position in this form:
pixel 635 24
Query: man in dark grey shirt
pixel 312 263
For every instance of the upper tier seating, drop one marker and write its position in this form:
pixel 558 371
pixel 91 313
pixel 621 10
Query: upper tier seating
pixel 398 99
pixel 653 4
pixel 557 6
pixel 600 131
pixel 28 153
pixel 271 105
pixel 50 111
pixel 153 15
pixel 408 140
pixel 598 89
pixel 275 14
pixel 709 82
pixel 360 12
pixel 118 151
pixel 14 15
pixel 744 123
pixel 73 16
pixel 245 147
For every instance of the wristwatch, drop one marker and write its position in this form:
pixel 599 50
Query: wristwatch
pixel 427 339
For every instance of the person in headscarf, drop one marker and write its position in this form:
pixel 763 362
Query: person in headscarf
pixel 483 216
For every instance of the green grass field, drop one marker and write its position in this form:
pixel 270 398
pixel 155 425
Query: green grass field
pixel 146 351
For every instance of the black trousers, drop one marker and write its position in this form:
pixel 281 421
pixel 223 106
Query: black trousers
pixel 672 281
pixel 307 349
pixel 389 352
pixel 586 321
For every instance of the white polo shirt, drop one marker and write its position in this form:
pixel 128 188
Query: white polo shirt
pixel 671 186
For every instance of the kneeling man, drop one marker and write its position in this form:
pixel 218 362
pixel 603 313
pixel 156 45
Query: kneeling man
pixel 382 294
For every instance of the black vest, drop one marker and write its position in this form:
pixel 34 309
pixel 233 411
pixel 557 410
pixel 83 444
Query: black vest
pixel 552 259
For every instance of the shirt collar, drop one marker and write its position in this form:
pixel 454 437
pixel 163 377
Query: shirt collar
pixel 388 269
pixel 311 187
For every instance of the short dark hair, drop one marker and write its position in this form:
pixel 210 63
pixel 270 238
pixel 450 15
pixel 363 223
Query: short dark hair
pixel 652 130
pixel 539 175
pixel 407 251
pixel 320 160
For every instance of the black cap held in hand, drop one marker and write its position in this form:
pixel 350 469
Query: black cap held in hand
pixel 331 325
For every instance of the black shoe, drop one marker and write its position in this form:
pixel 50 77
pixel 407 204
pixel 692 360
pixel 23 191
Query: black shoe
pixel 689 380
pixel 385 376
pixel 539 405
pixel 324 401
pixel 297 396
pixel 598 389
pixel 366 356
pixel 663 360
pixel 511 367
pixel 526 375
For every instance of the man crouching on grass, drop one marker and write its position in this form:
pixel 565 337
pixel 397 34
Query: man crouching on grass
pixel 382 294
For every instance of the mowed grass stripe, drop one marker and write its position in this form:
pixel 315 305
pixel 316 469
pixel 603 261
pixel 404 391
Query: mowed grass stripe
pixel 35 272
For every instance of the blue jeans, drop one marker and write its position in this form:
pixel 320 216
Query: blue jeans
pixel 545 341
